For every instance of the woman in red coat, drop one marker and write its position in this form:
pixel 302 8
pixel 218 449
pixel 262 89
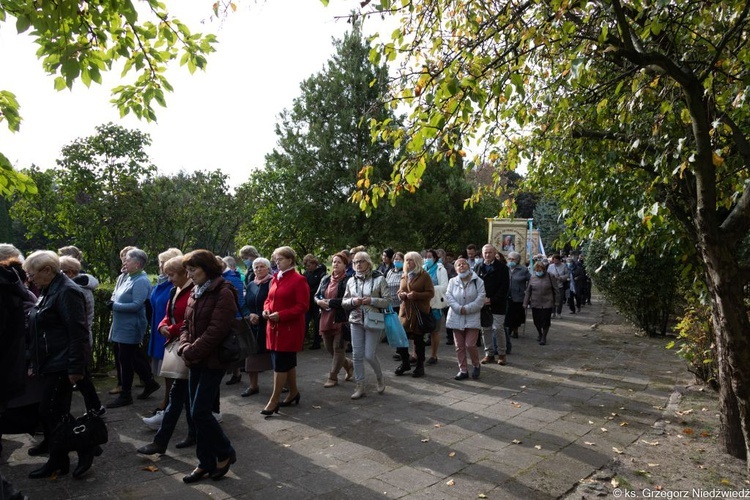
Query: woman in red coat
pixel 284 311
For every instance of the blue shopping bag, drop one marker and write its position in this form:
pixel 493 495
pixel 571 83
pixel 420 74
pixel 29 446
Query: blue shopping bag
pixel 394 330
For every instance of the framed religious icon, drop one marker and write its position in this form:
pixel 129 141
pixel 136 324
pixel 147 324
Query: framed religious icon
pixel 509 235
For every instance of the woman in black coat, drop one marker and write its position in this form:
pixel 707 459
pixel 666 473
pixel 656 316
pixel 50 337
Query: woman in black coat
pixel 59 338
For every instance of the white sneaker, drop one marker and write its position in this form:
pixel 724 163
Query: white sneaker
pixel 218 416
pixel 155 421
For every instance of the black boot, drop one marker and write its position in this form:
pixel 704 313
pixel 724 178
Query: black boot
pixel 405 366
pixel 39 449
pixel 56 464
pixel 539 336
pixel 543 341
pixel 419 370
pixel 85 460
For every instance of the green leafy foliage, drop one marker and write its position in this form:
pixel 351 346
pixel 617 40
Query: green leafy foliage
pixel 105 194
pixel 79 41
pixel 696 343
pixel 643 289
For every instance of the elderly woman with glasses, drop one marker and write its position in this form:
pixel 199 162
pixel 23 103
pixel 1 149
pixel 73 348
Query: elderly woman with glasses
pixel 129 324
pixel 367 291
pixel 59 336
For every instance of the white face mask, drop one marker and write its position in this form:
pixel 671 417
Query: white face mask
pixel 465 274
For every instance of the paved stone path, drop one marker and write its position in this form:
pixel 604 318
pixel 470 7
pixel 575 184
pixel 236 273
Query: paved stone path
pixel 531 429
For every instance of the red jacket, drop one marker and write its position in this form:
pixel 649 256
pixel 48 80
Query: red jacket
pixel 290 297
pixel 175 315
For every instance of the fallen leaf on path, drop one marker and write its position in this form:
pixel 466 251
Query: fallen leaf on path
pixel 686 412
pixel 538 446
pixel 650 443
pixel 618 451
pixel 523 387
pixel 623 424
pixel 481 495
pixel 705 434
pixel 151 468
pixel 452 454
pixel 517 405
pixel 317 407
pixel 516 441
pixel 437 426
pixel 591 423
pixel 603 429
pixel 451 483
pixel 688 431
pixel 426 440
pixel 286 445
pixel 653 465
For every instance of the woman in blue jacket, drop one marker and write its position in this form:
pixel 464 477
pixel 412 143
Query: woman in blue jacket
pixel 129 324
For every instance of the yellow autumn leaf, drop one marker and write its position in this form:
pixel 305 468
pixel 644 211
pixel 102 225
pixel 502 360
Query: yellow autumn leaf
pixel 717 160
pixel 151 468
pixel 451 483
pixel 452 454
pixel 516 441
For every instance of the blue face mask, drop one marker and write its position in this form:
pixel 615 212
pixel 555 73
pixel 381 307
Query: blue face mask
pixel 398 264
pixel 428 262
pixel 248 263
pixel 539 273
pixel 512 264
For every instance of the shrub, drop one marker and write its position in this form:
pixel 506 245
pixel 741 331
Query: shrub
pixel 642 288
pixel 695 343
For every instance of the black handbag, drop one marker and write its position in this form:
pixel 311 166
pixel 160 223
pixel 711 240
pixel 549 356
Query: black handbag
pixel 485 316
pixel 78 434
pixel 426 321
pixel 239 344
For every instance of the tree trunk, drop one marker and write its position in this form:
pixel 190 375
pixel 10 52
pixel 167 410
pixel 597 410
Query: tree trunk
pixel 731 324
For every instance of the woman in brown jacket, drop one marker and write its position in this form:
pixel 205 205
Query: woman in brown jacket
pixel 415 292
pixel 208 319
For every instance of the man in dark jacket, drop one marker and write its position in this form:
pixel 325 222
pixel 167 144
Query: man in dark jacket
pixel 493 271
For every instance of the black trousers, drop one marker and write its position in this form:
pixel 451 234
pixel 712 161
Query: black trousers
pixel 132 360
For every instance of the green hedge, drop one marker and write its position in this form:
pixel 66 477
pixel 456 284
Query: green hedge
pixel 644 291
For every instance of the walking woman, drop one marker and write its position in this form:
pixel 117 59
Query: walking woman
pixel 59 336
pixel 465 296
pixel 209 313
pixel 333 320
pixel 416 292
pixel 541 295
pixel 284 311
pixel 170 328
pixel 519 278
pixel 366 291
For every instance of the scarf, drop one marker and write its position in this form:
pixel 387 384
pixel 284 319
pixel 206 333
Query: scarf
pixel 198 290
pixel 267 278
pixel 433 273
pixel 336 278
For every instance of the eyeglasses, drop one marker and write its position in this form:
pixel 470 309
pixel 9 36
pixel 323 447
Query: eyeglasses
pixel 356 262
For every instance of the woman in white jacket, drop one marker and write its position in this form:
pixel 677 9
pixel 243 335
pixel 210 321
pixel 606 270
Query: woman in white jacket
pixel 440 281
pixel 465 296
pixel 366 292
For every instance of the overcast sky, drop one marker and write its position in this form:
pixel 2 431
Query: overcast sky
pixel 221 118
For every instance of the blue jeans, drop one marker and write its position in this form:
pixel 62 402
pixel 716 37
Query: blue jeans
pixel 212 444
pixel 364 345
pixel 179 397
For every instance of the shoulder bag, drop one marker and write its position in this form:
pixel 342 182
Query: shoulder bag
pixel 173 366
pixel 240 343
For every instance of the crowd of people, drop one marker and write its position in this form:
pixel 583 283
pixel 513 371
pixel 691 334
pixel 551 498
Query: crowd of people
pixel 479 299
